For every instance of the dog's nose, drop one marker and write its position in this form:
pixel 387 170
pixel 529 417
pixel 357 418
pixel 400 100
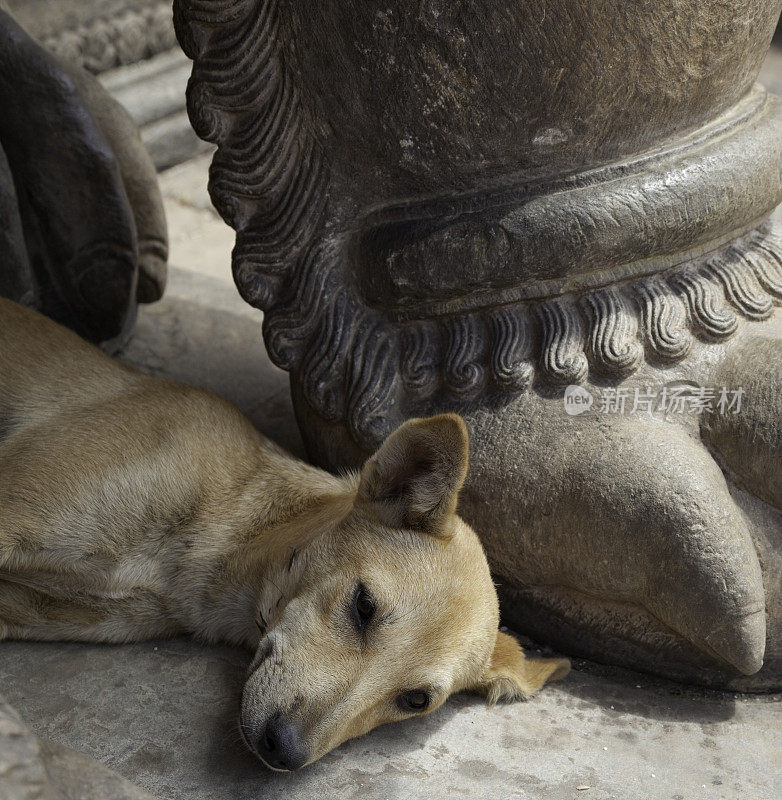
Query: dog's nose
pixel 280 746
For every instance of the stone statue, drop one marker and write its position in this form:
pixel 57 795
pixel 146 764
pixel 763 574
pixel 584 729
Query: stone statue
pixel 500 208
pixel 82 227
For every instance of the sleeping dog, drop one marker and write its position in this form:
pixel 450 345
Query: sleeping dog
pixel 133 507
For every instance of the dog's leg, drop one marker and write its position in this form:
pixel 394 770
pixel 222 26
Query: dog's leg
pixel 26 613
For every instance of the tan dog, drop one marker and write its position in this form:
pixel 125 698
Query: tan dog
pixel 133 507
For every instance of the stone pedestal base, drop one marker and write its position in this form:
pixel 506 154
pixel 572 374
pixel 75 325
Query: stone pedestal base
pixel 491 208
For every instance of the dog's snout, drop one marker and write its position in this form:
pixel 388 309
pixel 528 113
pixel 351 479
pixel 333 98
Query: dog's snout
pixel 280 746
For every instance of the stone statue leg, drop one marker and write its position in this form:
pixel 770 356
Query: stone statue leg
pixel 491 208
pixel 748 445
pixel 139 179
pixel 88 212
pixel 16 277
pixel 749 442
pixel 632 510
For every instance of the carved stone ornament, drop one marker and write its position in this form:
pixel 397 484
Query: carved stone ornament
pixel 486 207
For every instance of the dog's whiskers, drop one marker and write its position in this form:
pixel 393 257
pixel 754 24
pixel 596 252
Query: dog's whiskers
pixel 233 736
pixel 243 737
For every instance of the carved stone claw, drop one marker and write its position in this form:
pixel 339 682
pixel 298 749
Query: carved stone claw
pixel 632 510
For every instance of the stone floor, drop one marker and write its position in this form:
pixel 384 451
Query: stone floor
pixel 162 714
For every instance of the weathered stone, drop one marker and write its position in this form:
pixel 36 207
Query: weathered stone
pixel 98 34
pixel 16 278
pixel 470 206
pixel 34 770
pixel 153 93
pixel 84 230
pixel 139 181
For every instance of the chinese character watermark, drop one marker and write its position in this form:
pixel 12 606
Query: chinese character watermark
pixel 674 399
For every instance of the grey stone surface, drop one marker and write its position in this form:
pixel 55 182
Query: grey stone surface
pixel 171 140
pixel 153 93
pixel 163 714
pixel 771 72
pixel 34 770
pixel 470 207
pixel 153 89
pixel 198 238
pixel 186 185
pixel 98 34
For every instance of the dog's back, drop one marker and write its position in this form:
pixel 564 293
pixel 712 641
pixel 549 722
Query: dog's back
pixel 101 470
pixel 47 369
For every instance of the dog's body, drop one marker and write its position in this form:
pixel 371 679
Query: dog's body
pixel 128 503
pixel 132 507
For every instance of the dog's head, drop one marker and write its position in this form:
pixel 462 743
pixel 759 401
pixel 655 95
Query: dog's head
pixel 395 610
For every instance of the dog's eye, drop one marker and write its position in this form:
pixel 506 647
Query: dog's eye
pixel 363 607
pixel 414 701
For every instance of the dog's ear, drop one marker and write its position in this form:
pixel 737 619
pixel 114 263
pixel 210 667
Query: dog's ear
pixel 511 675
pixel 413 480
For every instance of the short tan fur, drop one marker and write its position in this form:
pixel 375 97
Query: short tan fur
pixel 134 507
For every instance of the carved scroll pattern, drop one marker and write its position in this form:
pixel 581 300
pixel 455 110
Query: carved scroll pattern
pixel 358 366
